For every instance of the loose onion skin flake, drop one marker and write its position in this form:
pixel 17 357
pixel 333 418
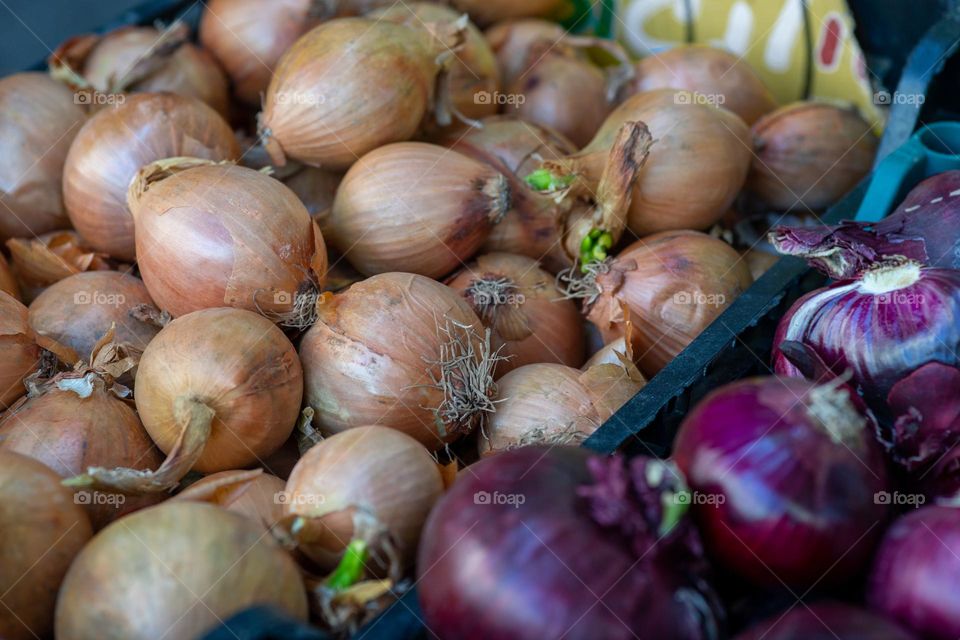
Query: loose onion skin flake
pixel 49 258
pixel 19 351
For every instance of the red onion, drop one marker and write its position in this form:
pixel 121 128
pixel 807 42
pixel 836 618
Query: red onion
pixel 825 621
pixel 925 228
pixel 788 470
pixel 525 544
pixel 896 317
pixel 916 575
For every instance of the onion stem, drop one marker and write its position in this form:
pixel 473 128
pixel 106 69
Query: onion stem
pixel 351 566
pixel 890 276
pixel 547 181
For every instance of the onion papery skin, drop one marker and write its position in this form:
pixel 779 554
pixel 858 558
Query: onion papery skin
pixel 530 504
pixel 878 337
pixel 526 313
pixel 260 499
pixel 696 166
pixel 8 282
pixel 715 74
pixel 376 471
pixel 327 109
pixel 825 621
pixel 488 11
pixel 237 363
pixel 222 235
pixel 370 357
pixel 78 311
pixel 120 139
pixel 248 38
pixel 808 155
pixel 19 353
pixel 49 258
pixel 513 41
pixel 197 552
pixel 534 225
pixel 794 494
pixel 41 531
pixel 39 121
pixel 417 208
pixel 69 434
pixel 914 577
pixel 674 284
pixel 474 74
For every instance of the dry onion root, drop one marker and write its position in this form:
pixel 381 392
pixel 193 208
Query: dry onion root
pixel 556 405
pixel 416 207
pixel 41 531
pixel 528 318
pixel 140 59
pixel 49 258
pixel 195 564
pixel 217 390
pixel 401 350
pixel 38 120
pixel 352 85
pixel 213 235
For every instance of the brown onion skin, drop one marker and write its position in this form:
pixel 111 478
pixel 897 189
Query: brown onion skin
pixel 248 37
pixel 190 71
pixel 259 499
pixel 79 310
pixel 120 139
pixel 50 257
pixel 38 121
pixel 237 363
pixel 196 564
pixel 19 353
pixel 488 11
pixel 513 40
pixel 674 284
pixel 223 235
pixel 69 434
pixel 363 360
pixel 382 471
pixel 809 155
pixel 710 72
pixel 533 226
pixel 41 531
pixel 540 327
pixel 696 167
pixel 474 69
pixel 326 109
pixel 8 282
pixel 416 207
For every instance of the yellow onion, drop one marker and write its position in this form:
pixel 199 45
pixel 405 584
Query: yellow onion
pixel 140 59
pixel 248 38
pixel 474 77
pixel 513 40
pixel 416 207
pixel 401 350
pixel 214 235
pixel 38 121
pixel 254 494
pixel 618 351
pixel 19 352
pixel 809 155
pixel 528 318
pixel 349 86
pixel 534 224
pixel 556 405
pixel 8 282
pixel 116 142
pixel 487 11
pixel 195 564
pixel 217 389
pixel 759 261
pixel 366 483
pixel 49 258
pixel 79 310
pixel 696 166
pixel 670 286
pixel 713 75
pixel 79 420
pixel 41 531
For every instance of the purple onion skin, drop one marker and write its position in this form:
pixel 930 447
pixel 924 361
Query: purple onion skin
pixel 793 505
pixel 924 228
pixel 826 621
pixel 916 575
pixel 879 338
pixel 544 568
pixel 926 425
